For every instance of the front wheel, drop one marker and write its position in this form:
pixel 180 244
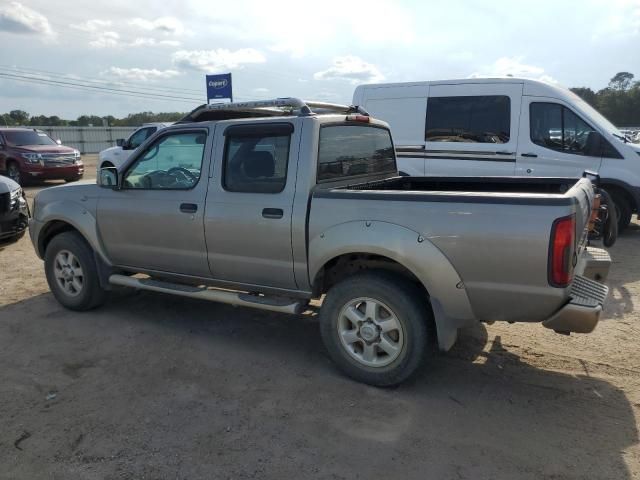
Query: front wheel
pixel 374 326
pixel 14 173
pixel 71 272
pixel 623 210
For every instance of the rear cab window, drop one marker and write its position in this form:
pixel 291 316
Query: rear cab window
pixel 351 151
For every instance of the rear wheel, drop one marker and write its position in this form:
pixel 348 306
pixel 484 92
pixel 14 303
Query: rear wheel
pixel 374 326
pixel 71 272
pixel 14 173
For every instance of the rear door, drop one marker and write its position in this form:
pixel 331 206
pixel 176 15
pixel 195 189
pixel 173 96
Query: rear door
pixel 555 141
pixel 471 129
pixel 249 205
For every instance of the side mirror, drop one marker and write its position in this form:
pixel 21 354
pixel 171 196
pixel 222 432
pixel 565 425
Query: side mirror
pixel 108 178
pixel 120 142
pixel 59 142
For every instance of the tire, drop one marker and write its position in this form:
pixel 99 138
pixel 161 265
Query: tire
pixel 395 302
pixel 67 253
pixel 73 179
pixel 623 210
pixel 14 173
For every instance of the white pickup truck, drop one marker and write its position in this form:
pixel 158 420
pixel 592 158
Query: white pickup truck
pixel 117 155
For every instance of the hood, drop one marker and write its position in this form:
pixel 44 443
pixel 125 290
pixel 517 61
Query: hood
pixel 45 148
pixel 7 185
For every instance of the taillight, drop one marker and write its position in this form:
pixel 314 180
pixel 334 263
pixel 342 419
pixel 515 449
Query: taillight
pixel 561 248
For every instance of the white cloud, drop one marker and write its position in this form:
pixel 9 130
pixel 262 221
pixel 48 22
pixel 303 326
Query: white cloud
pixel 151 42
pixel 166 25
pixel 512 66
pixel 291 47
pixel 260 90
pixel 140 73
pixel 350 68
pixel 16 18
pixel 92 26
pixel 106 40
pixel 211 61
pixel 622 19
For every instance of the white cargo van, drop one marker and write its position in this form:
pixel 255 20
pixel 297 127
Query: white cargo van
pixel 502 127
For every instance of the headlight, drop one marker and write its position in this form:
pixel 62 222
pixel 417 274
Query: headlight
pixel 76 156
pixel 32 157
pixel 15 195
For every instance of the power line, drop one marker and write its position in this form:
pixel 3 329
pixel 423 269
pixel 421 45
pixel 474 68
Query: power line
pixel 98 90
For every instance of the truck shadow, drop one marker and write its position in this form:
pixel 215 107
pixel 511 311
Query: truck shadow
pixel 238 380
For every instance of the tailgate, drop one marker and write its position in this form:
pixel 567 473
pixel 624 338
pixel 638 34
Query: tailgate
pixel 583 193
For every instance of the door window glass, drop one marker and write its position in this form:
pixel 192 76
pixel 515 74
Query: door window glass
pixel 469 119
pixel 140 136
pixel 556 127
pixel 256 163
pixel 172 162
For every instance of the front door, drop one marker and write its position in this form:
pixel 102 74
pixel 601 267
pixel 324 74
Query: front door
pixel 249 204
pixel 471 129
pixel 555 141
pixel 155 221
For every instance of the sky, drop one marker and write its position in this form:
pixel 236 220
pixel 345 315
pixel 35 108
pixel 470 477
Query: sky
pixel 314 50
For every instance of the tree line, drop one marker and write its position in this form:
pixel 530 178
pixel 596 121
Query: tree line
pixel 22 118
pixel 619 101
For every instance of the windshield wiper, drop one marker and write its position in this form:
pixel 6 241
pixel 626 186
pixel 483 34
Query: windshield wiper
pixel 621 137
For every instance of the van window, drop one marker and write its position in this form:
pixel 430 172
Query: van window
pixel 556 127
pixel 352 150
pixel 472 119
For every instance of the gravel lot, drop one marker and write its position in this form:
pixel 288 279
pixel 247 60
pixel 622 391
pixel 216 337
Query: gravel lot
pixel 152 386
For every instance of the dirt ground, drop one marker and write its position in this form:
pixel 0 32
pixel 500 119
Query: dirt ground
pixel 156 387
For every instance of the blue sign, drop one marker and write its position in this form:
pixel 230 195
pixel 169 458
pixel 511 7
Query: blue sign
pixel 219 86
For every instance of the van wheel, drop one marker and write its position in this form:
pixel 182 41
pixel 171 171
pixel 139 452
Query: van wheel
pixel 623 210
pixel 71 272
pixel 374 326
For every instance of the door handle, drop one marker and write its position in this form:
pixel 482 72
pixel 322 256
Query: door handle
pixel 530 155
pixel 188 207
pixel 272 213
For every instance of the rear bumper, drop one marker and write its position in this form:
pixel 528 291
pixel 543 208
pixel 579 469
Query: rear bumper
pixel 582 313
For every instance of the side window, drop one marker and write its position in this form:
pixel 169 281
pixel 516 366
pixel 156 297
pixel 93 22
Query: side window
pixel 140 136
pixel 172 162
pixel 255 162
pixel 470 119
pixel 556 127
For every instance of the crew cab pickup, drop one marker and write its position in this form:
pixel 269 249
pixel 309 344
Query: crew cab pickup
pixel 271 204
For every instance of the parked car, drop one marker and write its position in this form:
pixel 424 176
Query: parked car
pixel 116 156
pixel 504 127
pixel 14 212
pixel 29 154
pixel 244 204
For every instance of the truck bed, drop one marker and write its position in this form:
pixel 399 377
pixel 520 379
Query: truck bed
pixel 496 231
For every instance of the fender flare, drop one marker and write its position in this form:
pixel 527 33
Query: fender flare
pixel 74 214
pixel 450 303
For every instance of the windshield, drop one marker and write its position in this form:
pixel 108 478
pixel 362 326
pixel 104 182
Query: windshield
pixel 28 137
pixel 598 118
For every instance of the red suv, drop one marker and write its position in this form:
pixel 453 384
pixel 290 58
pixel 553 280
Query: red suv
pixel 29 154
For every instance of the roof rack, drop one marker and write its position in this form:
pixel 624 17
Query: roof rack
pixel 267 108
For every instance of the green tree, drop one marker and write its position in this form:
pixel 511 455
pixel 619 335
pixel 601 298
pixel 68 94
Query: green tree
pixel 621 81
pixel 19 117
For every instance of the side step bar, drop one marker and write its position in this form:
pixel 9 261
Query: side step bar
pixel 271 303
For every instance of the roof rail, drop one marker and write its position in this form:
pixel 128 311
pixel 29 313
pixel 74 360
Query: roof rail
pixel 267 108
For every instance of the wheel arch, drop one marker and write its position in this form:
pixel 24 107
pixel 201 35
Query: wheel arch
pixel 351 247
pixel 631 193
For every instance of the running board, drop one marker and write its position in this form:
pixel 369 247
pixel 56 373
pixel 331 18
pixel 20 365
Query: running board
pixel 271 303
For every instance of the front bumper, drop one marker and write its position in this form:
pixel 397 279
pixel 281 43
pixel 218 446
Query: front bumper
pixel 62 171
pixel 586 296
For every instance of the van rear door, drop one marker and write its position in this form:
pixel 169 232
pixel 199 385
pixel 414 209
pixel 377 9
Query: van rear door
pixel 471 129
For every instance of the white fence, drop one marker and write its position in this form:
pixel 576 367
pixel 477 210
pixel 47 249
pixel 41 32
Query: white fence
pixel 88 139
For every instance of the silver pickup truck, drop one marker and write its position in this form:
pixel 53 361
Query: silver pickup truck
pixel 271 204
